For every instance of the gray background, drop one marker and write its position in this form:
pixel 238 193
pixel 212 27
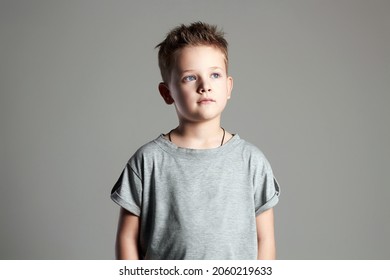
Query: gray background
pixel 78 83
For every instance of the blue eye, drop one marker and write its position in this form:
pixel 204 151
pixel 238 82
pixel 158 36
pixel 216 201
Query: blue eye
pixel 215 75
pixel 189 78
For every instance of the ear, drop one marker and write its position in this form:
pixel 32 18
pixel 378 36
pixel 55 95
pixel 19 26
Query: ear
pixel 165 93
pixel 229 86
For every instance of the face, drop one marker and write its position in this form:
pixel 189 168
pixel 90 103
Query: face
pixel 199 86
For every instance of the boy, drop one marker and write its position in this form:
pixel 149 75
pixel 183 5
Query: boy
pixel 198 191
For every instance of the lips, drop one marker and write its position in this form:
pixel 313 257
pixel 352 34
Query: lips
pixel 206 100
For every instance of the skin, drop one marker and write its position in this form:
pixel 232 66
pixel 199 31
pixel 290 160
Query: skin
pixel 199 88
pixel 126 246
pixel 199 74
pixel 266 235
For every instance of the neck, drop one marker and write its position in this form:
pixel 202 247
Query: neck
pixel 200 131
pixel 198 135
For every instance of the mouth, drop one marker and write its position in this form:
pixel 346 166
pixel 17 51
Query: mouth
pixel 206 101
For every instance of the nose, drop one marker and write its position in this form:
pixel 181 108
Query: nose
pixel 203 90
pixel 204 87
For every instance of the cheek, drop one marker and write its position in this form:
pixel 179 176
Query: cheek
pixel 184 100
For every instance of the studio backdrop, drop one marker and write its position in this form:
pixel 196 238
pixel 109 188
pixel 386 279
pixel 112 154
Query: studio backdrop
pixel 78 96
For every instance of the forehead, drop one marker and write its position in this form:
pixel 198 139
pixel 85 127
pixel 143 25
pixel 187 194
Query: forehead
pixel 195 57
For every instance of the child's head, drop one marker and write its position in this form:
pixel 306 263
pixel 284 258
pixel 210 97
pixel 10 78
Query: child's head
pixel 195 34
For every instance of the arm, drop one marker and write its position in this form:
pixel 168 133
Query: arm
pixel 265 235
pixel 127 236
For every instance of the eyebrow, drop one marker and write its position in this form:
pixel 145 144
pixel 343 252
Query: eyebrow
pixel 211 68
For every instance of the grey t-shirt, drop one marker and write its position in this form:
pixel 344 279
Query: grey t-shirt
pixel 197 203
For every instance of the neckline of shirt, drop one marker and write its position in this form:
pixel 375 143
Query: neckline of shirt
pixel 172 148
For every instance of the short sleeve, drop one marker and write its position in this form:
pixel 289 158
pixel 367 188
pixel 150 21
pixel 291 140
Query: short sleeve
pixel 267 190
pixel 127 192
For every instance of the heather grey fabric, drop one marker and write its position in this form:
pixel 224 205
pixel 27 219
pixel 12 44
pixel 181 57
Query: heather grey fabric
pixel 197 204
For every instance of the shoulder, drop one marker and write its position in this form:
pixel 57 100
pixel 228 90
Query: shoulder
pixel 250 149
pixel 252 154
pixel 143 153
pixel 145 158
